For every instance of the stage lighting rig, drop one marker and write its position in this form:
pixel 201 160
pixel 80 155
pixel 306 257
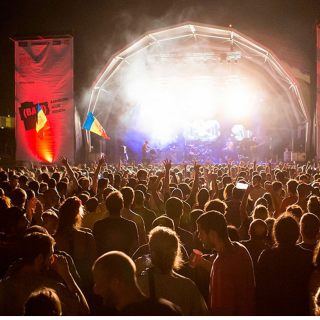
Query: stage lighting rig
pixel 198 57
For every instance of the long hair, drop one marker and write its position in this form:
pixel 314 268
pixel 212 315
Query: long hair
pixel 70 215
pixel 165 248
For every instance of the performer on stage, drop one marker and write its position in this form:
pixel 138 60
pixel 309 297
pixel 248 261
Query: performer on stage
pixel 144 150
pixel 192 154
pixel 254 148
pixel 228 150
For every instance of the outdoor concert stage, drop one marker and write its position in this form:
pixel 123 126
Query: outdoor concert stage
pixel 193 89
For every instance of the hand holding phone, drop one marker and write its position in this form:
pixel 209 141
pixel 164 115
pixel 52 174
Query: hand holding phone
pixel 241 185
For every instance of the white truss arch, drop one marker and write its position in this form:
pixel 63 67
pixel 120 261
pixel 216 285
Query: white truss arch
pixel 209 39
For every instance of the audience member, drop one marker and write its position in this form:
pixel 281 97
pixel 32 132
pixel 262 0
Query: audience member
pixel 232 287
pixel 43 302
pixel 115 280
pixel 147 215
pixel 80 244
pixel 283 273
pixel 162 282
pixel 37 257
pixel 115 232
pixel 174 210
pixel 309 230
pixel 127 213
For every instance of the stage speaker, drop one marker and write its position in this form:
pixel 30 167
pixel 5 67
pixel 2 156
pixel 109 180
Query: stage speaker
pixel 145 160
pixel 123 150
pixel 287 156
pixel 298 156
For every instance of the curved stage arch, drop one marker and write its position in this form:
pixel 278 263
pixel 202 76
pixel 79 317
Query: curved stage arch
pixel 192 50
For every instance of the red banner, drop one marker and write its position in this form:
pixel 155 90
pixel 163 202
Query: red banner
pixel 44 75
pixel 318 92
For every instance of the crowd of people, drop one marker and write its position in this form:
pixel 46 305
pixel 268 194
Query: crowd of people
pixel 230 239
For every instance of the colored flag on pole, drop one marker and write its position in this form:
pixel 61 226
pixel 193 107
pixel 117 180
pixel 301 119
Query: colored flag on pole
pixel 42 123
pixel 93 125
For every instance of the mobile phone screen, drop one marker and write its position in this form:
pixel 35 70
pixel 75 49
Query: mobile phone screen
pixel 240 185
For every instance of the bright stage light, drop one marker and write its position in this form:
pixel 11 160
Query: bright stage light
pixel 240 132
pixel 166 107
pixel 200 101
pixel 137 90
pixel 238 102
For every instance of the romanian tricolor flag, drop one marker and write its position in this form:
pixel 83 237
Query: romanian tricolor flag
pixel 93 125
pixel 42 123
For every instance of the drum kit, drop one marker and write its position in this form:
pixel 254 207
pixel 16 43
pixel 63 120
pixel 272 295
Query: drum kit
pixel 190 153
pixel 202 152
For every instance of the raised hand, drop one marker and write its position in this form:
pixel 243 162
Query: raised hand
pixel 102 160
pixel 64 160
pixel 167 164
pixel 31 204
pixel 184 164
pixel 196 166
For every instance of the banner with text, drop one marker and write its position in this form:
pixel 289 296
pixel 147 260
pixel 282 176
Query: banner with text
pixel 44 76
pixel 318 92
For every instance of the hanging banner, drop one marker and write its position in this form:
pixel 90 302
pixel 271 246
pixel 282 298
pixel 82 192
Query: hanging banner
pixel 44 77
pixel 318 92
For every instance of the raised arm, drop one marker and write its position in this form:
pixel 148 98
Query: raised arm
pixel 71 174
pixel 254 165
pixel 215 188
pixel 206 175
pixel 244 203
pixel 154 190
pixel 195 186
pixel 95 179
pixel 229 168
pixel 184 170
pixel 174 177
pixel 60 264
pixel 167 165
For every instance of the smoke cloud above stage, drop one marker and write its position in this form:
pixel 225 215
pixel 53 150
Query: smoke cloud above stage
pixel 191 86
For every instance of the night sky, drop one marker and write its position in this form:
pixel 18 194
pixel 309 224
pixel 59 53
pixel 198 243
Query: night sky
pixel 101 28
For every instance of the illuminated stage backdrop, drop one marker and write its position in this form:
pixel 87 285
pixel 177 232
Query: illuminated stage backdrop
pixel 44 75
